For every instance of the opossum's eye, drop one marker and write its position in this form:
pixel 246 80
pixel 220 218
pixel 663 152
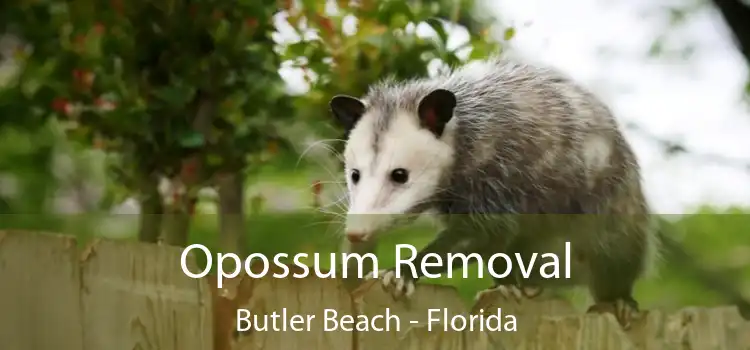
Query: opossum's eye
pixel 400 175
pixel 355 176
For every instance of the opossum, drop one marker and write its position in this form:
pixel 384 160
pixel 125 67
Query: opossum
pixel 515 158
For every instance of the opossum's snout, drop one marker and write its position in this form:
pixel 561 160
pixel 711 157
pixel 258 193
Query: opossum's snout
pixel 356 237
pixel 361 227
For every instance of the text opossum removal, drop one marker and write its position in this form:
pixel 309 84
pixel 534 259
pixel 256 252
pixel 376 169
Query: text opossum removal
pixel 549 268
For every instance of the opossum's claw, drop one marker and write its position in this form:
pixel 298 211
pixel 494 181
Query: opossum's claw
pixel 514 292
pixel 625 311
pixel 484 293
pixel 374 274
pixel 532 292
pixel 400 286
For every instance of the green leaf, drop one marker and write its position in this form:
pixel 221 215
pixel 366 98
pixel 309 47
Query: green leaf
pixel 437 25
pixel 388 9
pixel 479 51
pixel 222 31
pixel 192 139
pixel 377 41
pixel 214 159
pixel 175 96
pixel 510 32
pixel 399 20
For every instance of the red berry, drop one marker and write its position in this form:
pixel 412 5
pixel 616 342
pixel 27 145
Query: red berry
pixel 99 143
pixel 60 104
pixel 99 28
pixel 83 77
pixel 117 6
pixel 104 104
pixel 189 169
pixel 326 23
pixel 251 22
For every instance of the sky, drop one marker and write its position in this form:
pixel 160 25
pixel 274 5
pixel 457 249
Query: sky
pixel 696 101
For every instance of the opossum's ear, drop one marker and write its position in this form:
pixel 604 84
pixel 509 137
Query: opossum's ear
pixel 347 110
pixel 436 109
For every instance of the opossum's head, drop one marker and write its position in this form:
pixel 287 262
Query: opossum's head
pixel 395 158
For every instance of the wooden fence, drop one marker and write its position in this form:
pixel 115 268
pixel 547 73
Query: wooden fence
pixel 114 295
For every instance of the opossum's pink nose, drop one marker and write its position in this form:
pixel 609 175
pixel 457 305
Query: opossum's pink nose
pixel 355 237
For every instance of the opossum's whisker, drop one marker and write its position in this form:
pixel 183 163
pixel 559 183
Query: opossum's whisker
pixel 328 182
pixel 342 204
pixel 323 209
pixel 336 232
pixel 334 152
pixel 341 184
pixel 316 143
pixel 332 204
pixel 332 230
pixel 322 223
pixel 334 214
pixel 337 202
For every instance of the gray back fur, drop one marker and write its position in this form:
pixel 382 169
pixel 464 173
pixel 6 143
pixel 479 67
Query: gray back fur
pixel 521 135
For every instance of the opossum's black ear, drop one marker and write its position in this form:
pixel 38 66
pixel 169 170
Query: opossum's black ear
pixel 436 109
pixel 347 110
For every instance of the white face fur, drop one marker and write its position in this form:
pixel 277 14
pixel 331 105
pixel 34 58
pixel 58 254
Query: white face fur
pixel 386 181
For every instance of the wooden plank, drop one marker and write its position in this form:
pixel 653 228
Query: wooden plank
pixel 136 296
pixel 309 296
pixel 39 292
pixel 584 332
pixel 694 328
pixel 421 337
pixel 527 312
pixel 416 331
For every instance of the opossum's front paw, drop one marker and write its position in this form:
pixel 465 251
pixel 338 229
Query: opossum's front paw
pixel 625 311
pixel 510 292
pixel 399 286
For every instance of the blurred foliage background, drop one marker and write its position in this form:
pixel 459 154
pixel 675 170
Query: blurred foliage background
pixel 170 121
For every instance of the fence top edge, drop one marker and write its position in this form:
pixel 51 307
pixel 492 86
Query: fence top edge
pixel 36 233
pixel 65 240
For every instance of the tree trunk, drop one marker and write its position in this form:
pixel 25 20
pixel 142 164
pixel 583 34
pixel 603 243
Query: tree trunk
pixel 152 209
pixel 188 181
pixel 177 220
pixel 231 214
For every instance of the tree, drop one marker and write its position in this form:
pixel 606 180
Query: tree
pixel 383 45
pixel 190 91
pixel 177 89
